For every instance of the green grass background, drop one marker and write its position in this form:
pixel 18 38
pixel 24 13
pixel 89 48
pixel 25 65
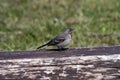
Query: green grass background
pixel 26 24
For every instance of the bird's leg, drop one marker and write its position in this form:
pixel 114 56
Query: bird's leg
pixel 61 48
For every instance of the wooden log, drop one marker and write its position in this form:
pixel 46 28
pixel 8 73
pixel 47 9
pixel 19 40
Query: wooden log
pixel 93 63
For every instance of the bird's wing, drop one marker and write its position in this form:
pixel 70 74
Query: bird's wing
pixel 56 41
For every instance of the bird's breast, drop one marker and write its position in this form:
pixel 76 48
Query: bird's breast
pixel 65 42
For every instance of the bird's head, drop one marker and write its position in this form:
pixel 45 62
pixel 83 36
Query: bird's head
pixel 68 30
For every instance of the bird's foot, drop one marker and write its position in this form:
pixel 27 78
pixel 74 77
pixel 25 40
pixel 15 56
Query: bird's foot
pixel 62 49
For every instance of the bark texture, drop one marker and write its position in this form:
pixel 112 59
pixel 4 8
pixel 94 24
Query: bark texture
pixel 94 63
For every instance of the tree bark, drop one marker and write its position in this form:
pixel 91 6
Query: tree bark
pixel 93 63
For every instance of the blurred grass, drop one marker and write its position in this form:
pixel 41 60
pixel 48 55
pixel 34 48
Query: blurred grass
pixel 26 24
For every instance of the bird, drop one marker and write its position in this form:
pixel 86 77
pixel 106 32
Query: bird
pixel 61 40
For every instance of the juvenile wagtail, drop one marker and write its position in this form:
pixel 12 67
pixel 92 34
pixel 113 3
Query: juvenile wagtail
pixel 61 40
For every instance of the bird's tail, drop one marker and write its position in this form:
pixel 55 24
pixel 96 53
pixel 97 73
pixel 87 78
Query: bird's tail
pixel 42 46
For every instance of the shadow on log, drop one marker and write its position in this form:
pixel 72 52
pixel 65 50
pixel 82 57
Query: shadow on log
pixel 94 63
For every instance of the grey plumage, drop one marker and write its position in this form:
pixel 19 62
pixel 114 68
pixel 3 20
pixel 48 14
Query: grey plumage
pixel 61 40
